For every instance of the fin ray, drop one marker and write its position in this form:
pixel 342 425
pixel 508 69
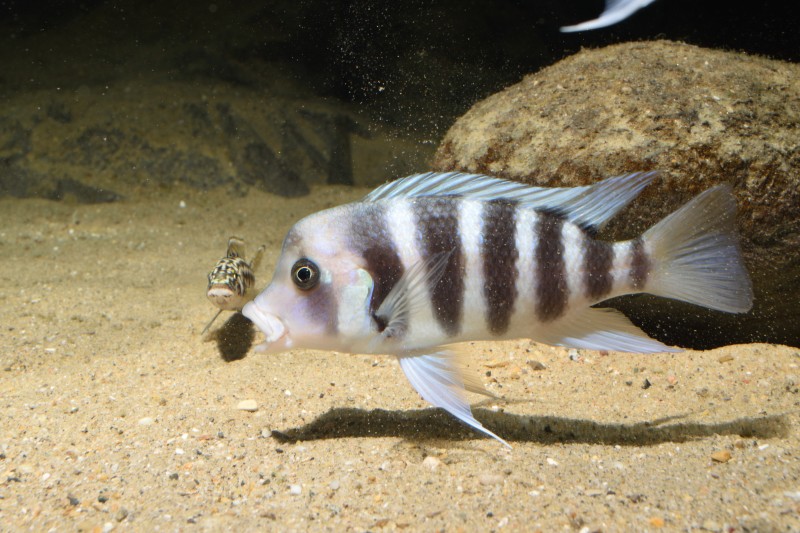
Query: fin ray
pixel 696 254
pixel 590 206
pixel 439 382
pixel 615 11
pixel 408 294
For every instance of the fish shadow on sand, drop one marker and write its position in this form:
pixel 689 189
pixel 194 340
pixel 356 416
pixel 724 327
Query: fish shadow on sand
pixel 435 424
pixel 234 338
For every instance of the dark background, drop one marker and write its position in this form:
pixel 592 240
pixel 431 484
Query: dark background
pixel 417 64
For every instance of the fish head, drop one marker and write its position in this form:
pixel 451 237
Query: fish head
pixel 319 294
pixel 228 283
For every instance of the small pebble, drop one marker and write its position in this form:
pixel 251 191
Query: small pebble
pixel 574 355
pixel 334 484
pixel 725 359
pixel 535 365
pixel 490 479
pixel 146 421
pixel 552 462
pixel 496 363
pixel 722 456
pixel 657 521
pixel 430 462
pixel 247 405
pixel 108 527
pixel 295 489
pixel 794 495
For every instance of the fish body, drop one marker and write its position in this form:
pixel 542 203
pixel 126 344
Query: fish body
pixel 231 281
pixel 615 11
pixel 437 259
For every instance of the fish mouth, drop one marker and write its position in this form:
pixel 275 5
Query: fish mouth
pixel 274 330
pixel 223 297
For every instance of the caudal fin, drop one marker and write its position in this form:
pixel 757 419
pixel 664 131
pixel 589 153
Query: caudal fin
pixel 696 257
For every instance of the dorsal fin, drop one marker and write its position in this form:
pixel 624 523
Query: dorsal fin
pixel 589 206
pixel 235 247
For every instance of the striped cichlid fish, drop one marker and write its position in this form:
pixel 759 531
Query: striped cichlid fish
pixel 231 282
pixel 441 258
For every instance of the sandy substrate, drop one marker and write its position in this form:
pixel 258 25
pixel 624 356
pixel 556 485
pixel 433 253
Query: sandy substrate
pixel 116 414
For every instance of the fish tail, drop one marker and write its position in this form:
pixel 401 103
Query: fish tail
pixel 695 255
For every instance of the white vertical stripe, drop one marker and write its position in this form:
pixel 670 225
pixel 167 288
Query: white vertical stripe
pixel 524 319
pixel 403 230
pixel 573 239
pixel 470 229
pixel 424 329
pixel 621 268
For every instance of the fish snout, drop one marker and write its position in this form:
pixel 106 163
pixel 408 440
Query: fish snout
pixel 223 297
pixel 271 325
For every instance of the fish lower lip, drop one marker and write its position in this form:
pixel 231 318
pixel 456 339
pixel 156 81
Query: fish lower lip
pixel 272 326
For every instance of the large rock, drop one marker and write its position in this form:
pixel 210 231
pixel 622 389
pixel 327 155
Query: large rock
pixel 701 117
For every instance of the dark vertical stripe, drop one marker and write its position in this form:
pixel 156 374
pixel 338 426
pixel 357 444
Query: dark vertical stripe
pixel 640 264
pixel 437 230
pixel 499 254
pixel 371 238
pixel 598 259
pixel 552 291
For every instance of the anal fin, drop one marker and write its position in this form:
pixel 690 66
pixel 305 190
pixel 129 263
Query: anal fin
pixel 600 329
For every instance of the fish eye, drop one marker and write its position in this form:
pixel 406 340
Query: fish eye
pixel 305 274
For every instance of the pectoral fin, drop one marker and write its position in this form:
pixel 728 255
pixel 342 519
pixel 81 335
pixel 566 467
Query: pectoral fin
pixel 439 381
pixel 408 294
